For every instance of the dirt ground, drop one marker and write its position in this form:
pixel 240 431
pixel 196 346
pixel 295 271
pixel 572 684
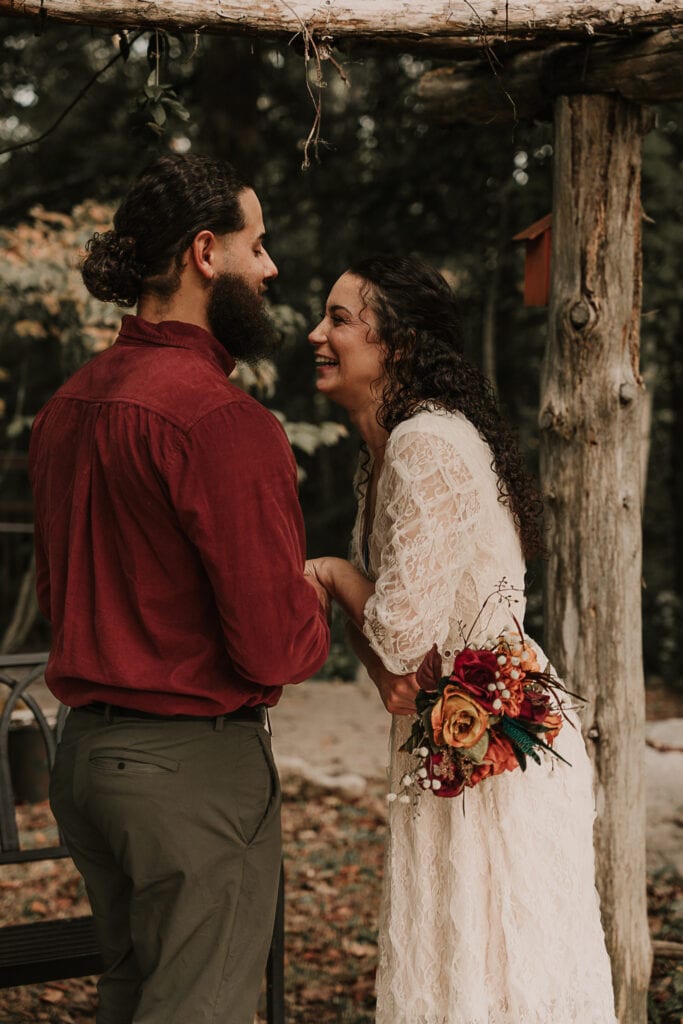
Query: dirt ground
pixel 330 740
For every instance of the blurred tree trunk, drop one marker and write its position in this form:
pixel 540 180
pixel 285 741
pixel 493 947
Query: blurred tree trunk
pixel 591 467
pixel 489 323
pixel 676 406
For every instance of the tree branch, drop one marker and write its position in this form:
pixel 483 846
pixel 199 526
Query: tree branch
pixel 445 26
pixel 67 110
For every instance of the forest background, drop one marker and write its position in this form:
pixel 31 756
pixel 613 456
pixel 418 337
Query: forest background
pixel 382 178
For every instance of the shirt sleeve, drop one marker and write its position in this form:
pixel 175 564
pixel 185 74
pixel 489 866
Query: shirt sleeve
pixel 431 503
pixel 234 488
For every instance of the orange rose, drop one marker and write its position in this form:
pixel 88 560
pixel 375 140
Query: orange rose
pixel 512 703
pixel 500 757
pixel 553 723
pixel 458 720
pixel 520 657
pixel 501 754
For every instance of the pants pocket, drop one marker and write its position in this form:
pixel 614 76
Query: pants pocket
pixel 117 760
pixel 259 786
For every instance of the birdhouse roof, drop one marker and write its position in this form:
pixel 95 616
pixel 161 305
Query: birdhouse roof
pixel 535 229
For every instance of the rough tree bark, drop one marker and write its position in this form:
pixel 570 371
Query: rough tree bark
pixel 591 469
pixel 449 25
pixel 525 87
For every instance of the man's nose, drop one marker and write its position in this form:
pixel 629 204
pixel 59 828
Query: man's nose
pixel 271 269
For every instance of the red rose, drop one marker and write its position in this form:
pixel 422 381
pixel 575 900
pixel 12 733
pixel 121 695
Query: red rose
pixel 534 706
pixel 441 767
pixel 474 671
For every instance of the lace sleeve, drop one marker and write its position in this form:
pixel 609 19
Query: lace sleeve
pixel 431 502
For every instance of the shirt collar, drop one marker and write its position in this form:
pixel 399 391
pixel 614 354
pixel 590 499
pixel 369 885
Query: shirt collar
pixel 175 334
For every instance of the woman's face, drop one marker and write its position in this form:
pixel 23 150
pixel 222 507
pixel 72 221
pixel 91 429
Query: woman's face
pixel 348 354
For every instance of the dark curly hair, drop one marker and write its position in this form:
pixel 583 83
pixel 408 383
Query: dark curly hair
pixel 163 210
pixel 419 325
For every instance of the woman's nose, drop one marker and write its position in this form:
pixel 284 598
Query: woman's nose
pixel 317 335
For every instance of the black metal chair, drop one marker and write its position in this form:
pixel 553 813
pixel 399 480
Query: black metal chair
pixel 67 948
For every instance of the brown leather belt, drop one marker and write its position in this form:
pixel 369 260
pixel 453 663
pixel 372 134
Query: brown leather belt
pixel 243 714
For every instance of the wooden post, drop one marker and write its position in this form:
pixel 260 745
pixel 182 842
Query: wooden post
pixel 591 468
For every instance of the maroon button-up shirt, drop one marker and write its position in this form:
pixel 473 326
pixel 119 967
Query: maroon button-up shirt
pixel 169 537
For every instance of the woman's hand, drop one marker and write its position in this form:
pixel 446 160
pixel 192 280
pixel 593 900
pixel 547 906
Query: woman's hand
pixel 397 692
pixel 344 583
pixel 312 575
pixel 313 570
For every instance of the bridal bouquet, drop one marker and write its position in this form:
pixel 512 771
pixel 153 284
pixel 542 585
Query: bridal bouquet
pixel 496 709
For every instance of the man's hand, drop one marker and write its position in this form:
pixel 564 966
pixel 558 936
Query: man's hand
pixel 397 692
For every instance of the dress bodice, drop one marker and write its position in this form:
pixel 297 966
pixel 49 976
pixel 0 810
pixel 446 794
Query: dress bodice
pixel 441 542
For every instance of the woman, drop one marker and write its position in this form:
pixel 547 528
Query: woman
pixel 489 910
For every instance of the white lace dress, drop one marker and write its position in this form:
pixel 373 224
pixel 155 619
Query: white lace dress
pixel 489 912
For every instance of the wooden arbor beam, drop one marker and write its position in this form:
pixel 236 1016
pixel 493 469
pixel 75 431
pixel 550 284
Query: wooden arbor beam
pixel 446 26
pixel 646 70
pixel 591 468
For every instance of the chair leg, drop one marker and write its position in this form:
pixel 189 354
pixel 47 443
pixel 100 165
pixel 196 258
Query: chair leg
pixel 275 970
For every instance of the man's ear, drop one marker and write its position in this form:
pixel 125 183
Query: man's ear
pixel 203 254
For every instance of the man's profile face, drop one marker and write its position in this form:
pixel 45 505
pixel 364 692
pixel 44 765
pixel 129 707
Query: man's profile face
pixel 236 313
pixel 245 253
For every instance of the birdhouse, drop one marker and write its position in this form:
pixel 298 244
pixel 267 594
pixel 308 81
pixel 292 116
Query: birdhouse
pixel 537 264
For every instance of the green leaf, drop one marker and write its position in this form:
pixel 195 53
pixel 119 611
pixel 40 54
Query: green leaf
pixel 423 701
pixel 415 739
pixel 478 751
pixel 158 113
pixel 426 719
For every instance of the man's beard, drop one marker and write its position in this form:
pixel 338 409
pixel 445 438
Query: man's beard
pixel 239 320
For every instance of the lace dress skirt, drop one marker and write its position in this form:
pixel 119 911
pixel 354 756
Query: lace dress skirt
pixel 489 912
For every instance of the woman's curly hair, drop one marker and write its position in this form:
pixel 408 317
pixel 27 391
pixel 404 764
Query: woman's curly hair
pixel 419 327
pixel 165 207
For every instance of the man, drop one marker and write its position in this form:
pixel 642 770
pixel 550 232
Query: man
pixel 170 554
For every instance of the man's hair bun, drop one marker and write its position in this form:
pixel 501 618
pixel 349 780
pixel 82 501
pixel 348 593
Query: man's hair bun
pixel 111 270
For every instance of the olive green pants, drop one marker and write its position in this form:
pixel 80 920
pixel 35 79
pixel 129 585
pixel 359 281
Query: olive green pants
pixel 175 827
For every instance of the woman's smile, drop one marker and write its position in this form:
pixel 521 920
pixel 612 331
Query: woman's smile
pixel 348 355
